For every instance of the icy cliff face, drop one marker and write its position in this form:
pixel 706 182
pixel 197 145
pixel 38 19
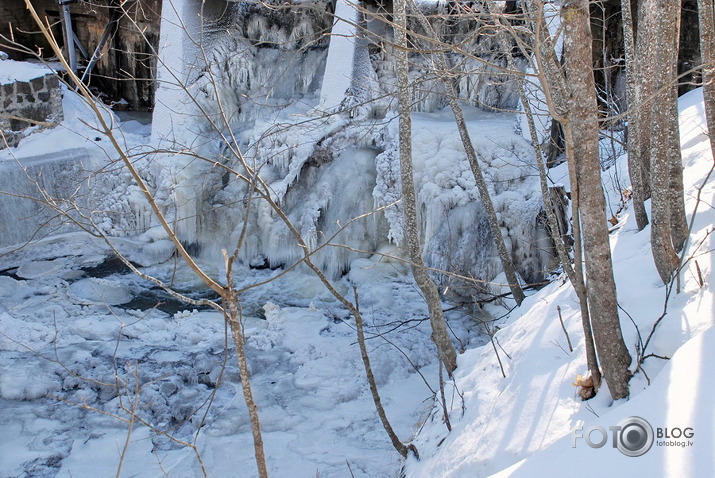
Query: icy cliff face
pixel 266 99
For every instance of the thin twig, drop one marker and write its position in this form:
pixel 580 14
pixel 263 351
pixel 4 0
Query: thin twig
pixel 563 327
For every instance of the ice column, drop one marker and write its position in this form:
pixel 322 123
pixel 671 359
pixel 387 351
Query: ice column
pixel 174 118
pixel 177 68
pixel 339 64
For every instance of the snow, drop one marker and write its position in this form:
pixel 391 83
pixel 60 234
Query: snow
pixel 676 399
pixel 58 160
pixel 306 371
pixel 11 71
pixel 80 133
pixel 517 425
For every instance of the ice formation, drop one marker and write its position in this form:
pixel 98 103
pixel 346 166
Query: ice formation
pixel 339 62
pixel 24 219
pixel 258 96
pixel 311 113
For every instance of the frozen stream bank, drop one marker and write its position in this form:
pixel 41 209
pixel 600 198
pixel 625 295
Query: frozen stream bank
pixel 90 361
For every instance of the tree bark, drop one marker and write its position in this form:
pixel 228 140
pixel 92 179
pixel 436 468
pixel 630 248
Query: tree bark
pixel 440 336
pixel 553 82
pixel 635 168
pixel 667 204
pixel 643 67
pixel 401 448
pixel 583 135
pixel 678 218
pixel 558 236
pixel 233 317
pixel 706 16
pixel 504 254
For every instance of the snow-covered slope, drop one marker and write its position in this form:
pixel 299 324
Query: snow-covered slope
pixel 678 399
pixel 498 421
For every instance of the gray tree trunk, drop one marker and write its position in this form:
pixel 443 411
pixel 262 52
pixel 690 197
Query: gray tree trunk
pixel 678 218
pixel 644 90
pixel 635 168
pixel 440 337
pixel 504 254
pixel 667 206
pixel 233 317
pixel 706 12
pixel 558 236
pixel 583 133
pixel 554 84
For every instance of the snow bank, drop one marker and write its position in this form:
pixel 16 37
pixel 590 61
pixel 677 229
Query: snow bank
pixel 11 71
pixel 679 398
pixel 510 421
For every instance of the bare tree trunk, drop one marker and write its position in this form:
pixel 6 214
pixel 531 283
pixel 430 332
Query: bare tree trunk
pixel 706 16
pixel 234 321
pixel 554 84
pixel 440 337
pixel 678 220
pixel 557 236
pixel 667 236
pixel 643 66
pixel 551 74
pixel 635 168
pixel 583 135
pixel 401 448
pixel 504 255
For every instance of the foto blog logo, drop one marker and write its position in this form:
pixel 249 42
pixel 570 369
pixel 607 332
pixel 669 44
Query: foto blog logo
pixel 633 436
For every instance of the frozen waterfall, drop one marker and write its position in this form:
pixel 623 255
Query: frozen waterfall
pixel 254 101
pixel 276 73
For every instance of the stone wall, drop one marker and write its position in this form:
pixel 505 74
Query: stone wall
pixel 26 104
pixel 127 66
